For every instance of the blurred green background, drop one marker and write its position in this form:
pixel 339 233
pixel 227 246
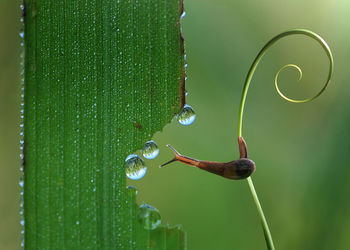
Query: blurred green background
pixel 301 150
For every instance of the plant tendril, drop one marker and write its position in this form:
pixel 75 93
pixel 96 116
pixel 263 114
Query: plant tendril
pixel 313 35
pixel 300 76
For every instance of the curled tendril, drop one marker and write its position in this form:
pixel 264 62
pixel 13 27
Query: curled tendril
pixel 256 61
pixel 276 81
pixel 267 234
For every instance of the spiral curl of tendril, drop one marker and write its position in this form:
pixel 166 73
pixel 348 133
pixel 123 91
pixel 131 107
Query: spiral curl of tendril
pixel 313 35
pixel 256 61
pixel 300 76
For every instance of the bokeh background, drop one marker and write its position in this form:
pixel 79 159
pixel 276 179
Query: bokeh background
pixel 301 150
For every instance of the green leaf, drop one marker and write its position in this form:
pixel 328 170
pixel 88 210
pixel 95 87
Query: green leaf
pixel 101 77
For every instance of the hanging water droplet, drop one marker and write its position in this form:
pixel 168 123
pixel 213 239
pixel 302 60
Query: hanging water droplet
pixel 150 150
pixel 149 216
pixel 135 167
pixel 186 116
pixel 21 183
pixel 21 34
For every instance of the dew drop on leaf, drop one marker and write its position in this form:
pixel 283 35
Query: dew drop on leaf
pixel 183 15
pixel 132 188
pixel 135 167
pixel 150 150
pixel 186 116
pixel 149 217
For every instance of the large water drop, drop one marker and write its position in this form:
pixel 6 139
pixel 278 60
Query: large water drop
pixel 135 167
pixel 149 217
pixel 150 150
pixel 186 116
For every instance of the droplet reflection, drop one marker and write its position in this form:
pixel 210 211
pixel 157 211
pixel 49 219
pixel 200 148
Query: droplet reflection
pixel 149 217
pixel 135 167
pixel 132 188
pixel 150 150
pixel 186 116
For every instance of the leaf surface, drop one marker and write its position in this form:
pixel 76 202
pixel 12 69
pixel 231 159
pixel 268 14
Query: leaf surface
pixel 101 77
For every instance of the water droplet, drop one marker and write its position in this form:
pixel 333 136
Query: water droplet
pixel 132 188
pixel 186 116
pixel 21 183
pixel 135 167
pixel 21 34
pixel 183 15
pixel 77 222
pixel 149 216
pixel 150 150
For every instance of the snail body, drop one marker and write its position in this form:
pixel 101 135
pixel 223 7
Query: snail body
pixel 234 170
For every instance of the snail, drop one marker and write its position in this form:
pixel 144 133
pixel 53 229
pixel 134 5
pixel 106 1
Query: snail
pixel 234 170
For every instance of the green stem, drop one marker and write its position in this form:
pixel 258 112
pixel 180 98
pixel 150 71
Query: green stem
pixel 267 233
